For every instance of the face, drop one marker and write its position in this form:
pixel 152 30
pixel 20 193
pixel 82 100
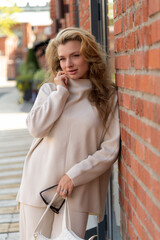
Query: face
pixel 40 55
pixel 71 62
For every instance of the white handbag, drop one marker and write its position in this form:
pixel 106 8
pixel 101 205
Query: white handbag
pixel 67 233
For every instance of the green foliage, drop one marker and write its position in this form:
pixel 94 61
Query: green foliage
pixel 26 72
pixel 38 78
pixel 31 58
pixel 6 19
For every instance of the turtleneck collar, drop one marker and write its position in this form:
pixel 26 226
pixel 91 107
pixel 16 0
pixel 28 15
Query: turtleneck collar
pixel 79 88
pixel 79 85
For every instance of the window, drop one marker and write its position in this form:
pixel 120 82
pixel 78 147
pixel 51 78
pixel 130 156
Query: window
pixel 109 229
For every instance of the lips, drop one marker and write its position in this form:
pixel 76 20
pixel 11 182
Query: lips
pixel 72 72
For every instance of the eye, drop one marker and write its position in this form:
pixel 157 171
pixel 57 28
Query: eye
pixel 61 59
pixel 76 55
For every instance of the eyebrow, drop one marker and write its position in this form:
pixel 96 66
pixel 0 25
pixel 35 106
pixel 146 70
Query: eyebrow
pixel 70 54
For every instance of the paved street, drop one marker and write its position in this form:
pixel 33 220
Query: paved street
pixel 14 144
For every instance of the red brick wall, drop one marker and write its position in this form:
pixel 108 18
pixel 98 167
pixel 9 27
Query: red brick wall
pixel 71 15
pixel 84 15
pixel 69 19
pixel 137 46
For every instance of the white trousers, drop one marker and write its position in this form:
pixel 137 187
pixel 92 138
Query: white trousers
pixel 52 223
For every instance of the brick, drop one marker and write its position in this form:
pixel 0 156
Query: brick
pixel 145 10
pixel 126 156
pixel 120 44
pixel 139 107
pixel 114 10
pixel 123 172
pixel 131 41
pixel 119 79
pixel 130 3
pixel 145 218
pixel 154 8
pixel 145 177
pixel 87 25
pixel 139 192
pixel 117 27
pixel 155 33
pixel 132 121
pixel 124 5
pixel 122 62
pixel 143 83
pixel 151 111
pixel 124 118
pixel 132 60
pixel 138 17
pixel 126 101
pixel 86 5
pixel 152 160
pixel 154 138
pixel 156 84
pixel 128 139
pixel 139 60
pixel 130 181
pixel 146 132
pixel 140 150
pixel 156 213
pixel 145 235
pixel 147 35
pixel 119 8
pixel 156 189
pixel 139 37
pixel 125 23
pixel 131 20
pixel 131 232
pixel 154 59
pixel 129 81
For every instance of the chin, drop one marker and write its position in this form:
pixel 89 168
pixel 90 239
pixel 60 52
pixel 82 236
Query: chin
pixel 74 77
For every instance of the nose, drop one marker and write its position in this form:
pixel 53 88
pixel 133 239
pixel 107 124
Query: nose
pixel 69 62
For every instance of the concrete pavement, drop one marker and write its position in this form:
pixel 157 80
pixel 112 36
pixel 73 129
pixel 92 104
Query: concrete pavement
pixel 14 144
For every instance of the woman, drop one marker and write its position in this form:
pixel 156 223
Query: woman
pixel 76 128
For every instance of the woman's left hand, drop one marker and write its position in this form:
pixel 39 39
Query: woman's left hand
pixel 65 187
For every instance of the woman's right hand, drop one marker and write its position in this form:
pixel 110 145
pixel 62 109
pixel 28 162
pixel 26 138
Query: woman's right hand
pixel 61 79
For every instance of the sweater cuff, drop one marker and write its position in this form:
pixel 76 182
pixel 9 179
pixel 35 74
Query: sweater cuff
pixel 62 89
pixel 70 178
pixel 71 174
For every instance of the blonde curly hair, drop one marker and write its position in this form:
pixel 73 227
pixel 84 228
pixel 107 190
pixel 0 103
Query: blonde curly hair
pixel 103 89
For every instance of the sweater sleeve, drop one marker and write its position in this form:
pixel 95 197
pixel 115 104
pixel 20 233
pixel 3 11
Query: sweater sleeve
pixel 98 163
pixel 46 110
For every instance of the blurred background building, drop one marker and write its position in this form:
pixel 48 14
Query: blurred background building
pixel 33 25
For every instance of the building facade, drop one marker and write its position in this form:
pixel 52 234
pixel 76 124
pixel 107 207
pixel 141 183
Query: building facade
pixel 137 49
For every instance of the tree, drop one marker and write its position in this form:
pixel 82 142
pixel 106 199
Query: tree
pixel 7 20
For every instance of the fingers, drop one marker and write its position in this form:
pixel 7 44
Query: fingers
pixel 61 79
pixel 65 187
pixel 63 193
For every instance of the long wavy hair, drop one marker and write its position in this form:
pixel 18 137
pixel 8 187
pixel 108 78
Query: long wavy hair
pixel 103 89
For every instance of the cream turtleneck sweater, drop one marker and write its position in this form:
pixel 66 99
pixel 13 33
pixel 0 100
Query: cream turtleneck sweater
pixel 69 139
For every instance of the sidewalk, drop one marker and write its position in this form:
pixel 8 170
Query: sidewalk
pixel 14 144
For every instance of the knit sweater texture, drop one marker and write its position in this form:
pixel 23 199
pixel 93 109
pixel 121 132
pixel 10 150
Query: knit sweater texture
pixel 69 138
